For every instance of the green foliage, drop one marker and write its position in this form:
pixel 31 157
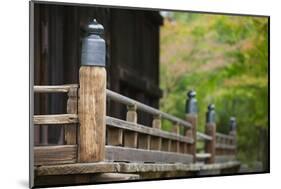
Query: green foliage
pixel 225 59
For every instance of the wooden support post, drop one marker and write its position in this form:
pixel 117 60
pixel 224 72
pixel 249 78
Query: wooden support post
pixel 131 137
pixel 210 146
pixel 92 96
pixel 233 133
pixel 70 132
pixel 155 142
pixel 191 116
pixel 176 144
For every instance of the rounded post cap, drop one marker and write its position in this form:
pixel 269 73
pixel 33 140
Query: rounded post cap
pixel 94 28
pixel 232 119
pixel 211 107
pixel 191 94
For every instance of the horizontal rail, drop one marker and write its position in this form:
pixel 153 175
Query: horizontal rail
pixel 50 155
pixel 220 135
pixel 55 119
pixel 110 121
pixel 53 88
pixel 225 146
pixel 115 153
pixel 202 136
pixel 224 158
pixel 130 102
pixel 203 155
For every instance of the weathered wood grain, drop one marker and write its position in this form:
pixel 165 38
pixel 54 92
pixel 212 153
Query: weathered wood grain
pixel 130 137
pixel 55 119
pixel 114 122
pixel 114 136
pixel 156 142
pixel 192 118
pixel 70 132
pixel 144 141
pixel 48 155
pixel 114 153
pixel 210 145
pixel 91 111
pixel 107 167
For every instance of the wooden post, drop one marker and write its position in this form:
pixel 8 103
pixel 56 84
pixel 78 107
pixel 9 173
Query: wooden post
pixel 176 144
pixel 155 142
pixel 233 133
pixel 92 96
pixel 191 116
pixel 210 146
pixel 70 134
pixel 130 137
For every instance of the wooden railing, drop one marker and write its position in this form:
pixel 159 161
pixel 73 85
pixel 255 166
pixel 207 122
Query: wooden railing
pixel 129 141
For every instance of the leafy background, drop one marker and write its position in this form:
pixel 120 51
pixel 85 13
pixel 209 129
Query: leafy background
pixel 225 60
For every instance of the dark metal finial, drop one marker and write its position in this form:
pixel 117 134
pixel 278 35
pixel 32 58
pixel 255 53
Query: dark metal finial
pixel 94 28
pixel 93 46
pixel 232 123
pixel 211 114
pixel 191 103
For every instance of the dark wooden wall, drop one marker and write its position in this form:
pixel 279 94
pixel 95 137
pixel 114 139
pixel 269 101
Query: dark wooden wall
pixel 132 59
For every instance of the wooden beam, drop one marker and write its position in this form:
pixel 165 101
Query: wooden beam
pixel 91 111
pixel 110 167
pixel 114 153
pixel 48 155
pixel 55 119
pixel 210 146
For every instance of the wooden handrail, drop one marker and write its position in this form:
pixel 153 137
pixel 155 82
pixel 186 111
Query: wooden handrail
pixel 54 88
pixel 221 135
pixel 140 106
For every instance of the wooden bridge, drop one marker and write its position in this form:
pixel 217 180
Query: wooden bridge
pixel 99 148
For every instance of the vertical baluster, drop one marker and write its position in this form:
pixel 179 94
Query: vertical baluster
pixel 210 146
pixel 176 144
pixel 70 133
pixel 232 132
pixel 155 142
pixel 131 137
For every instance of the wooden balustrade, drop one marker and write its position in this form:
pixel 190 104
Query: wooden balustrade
pixel 127 137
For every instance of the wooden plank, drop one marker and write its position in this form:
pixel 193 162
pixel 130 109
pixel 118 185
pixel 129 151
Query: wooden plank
pixel 114 153
pixel 210 145
pixel 144 141
pixel 114 122
pixel 78 168
pixel 54 88
pixel 55 119
pixel 91 111
pixel 192 118
pixel 48 155
pixel 114 136
pixel 70 132
pixel 166 145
